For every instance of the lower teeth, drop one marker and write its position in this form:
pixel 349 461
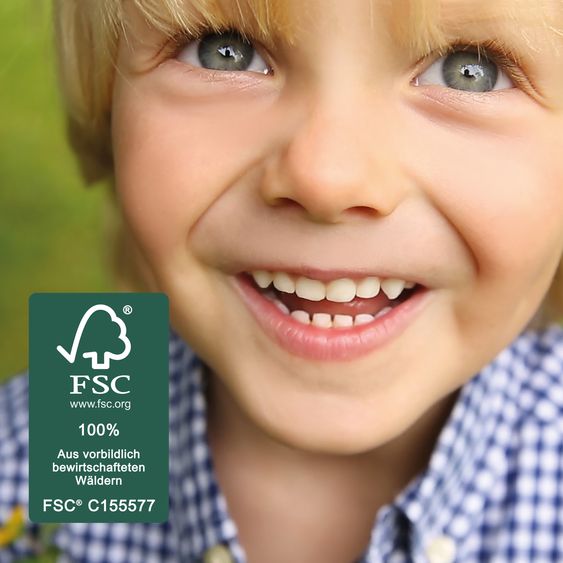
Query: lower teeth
pixel 324 320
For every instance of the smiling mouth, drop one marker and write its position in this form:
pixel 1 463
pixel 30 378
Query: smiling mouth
pixel 336 304
pixel 331 319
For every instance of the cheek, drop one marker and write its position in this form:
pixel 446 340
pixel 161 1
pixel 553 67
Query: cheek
pixel 156 175
pixel 173 160
pixel 504 196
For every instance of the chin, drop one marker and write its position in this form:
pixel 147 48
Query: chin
pixel 326 425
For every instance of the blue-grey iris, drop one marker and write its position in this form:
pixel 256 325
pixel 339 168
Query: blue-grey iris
pixel 470 71
pixel 225 51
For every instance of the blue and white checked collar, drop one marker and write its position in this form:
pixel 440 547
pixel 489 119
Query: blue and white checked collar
pixel 493 490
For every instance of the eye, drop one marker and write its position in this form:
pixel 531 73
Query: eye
pixel 227 51
pixel 470 71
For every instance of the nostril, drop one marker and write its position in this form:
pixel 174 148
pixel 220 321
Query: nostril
pixel 362 211
pixel 359 211
pixel 285 202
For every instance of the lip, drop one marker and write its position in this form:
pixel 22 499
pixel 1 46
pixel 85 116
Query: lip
pixel 334 344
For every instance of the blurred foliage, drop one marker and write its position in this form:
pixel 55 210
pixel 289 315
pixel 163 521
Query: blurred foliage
pixel 51 225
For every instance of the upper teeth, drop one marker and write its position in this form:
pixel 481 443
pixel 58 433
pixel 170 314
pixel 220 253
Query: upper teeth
pixel 340 291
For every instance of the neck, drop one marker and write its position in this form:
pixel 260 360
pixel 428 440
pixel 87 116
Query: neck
pixel 266 483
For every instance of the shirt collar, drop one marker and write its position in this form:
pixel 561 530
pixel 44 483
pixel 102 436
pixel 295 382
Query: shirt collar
pixel 470 462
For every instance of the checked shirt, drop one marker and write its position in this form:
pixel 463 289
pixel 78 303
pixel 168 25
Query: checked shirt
pixel 492 492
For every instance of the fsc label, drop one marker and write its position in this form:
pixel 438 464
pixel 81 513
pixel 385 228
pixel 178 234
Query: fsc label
pixel 98 407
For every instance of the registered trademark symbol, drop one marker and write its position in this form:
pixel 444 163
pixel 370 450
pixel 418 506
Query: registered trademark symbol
pixel 127 309
pixel 78 502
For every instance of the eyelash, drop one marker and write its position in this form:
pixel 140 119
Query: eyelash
pixel 173 45
pixel 494 50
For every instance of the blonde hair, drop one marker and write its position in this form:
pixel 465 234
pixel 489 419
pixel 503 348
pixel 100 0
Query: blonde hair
pixel 88 33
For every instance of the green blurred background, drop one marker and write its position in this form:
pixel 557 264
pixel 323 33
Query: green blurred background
pixel 51 226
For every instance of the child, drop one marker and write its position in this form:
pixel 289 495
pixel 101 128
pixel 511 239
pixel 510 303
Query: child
pixel 356 210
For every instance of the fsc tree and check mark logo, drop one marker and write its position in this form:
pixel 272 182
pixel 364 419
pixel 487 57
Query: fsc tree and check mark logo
pixel 106 342
pixel 95 355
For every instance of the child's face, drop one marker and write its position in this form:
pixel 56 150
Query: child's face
pixel 341 164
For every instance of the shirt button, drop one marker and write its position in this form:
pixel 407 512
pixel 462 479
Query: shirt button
pixel 441 550
pixel 217 554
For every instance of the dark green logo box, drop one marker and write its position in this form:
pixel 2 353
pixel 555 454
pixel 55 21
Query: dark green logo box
pixel 98 407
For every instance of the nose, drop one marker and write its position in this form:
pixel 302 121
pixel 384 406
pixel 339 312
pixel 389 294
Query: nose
pixel 337 162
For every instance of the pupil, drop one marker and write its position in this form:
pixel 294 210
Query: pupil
pixel 225 51
pixel 472 71
pixel 468 71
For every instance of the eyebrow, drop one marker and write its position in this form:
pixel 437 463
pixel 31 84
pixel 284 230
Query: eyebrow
pixel 429 24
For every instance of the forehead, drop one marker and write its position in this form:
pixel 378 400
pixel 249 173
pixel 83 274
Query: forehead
pixel 421 23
